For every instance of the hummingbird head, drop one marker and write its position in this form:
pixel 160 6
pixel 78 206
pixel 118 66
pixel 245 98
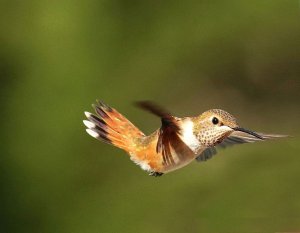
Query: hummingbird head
pixel 215 125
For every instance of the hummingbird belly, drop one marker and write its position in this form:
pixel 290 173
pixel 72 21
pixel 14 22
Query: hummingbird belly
pixel 147 157
pixel 180 160
pixel 177 154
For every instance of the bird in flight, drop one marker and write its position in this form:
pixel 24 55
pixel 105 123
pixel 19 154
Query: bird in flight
pixel 176 143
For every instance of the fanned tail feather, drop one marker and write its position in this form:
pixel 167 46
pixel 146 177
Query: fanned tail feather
pixel 109 126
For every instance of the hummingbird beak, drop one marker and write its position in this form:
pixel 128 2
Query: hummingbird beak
pixel 248 132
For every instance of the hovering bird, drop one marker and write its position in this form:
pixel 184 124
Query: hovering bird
pixel 176 143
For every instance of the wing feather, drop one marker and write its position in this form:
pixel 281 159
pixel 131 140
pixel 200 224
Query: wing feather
pixel 235 138
pixel 168 135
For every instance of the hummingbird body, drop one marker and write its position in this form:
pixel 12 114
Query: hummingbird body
pixel 176 143
pixel 146 155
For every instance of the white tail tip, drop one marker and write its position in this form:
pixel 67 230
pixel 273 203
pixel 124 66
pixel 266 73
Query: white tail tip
pixel 87 114
pixel 89 124
pixel 92 133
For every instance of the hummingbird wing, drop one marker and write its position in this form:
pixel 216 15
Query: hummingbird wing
pixel 235 138
pixel 168 134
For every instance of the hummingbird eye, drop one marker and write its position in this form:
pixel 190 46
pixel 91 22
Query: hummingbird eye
pixel 215 120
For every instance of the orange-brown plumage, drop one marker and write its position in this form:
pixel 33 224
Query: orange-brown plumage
pixel 176 143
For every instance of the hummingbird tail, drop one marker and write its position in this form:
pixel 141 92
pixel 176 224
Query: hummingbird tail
pixel 109 126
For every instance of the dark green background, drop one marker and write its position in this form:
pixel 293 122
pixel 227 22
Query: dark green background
pixel 57 57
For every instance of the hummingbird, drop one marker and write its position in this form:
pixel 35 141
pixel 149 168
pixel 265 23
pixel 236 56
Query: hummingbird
pixel 178 141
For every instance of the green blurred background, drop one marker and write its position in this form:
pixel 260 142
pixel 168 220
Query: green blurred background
pixel 57 57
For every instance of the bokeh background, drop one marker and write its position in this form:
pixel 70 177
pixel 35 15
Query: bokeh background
pixel 57 57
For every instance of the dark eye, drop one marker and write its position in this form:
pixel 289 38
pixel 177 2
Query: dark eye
pixel 215 120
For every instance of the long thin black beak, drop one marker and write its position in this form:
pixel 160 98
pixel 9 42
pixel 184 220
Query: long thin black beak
pixel 248 132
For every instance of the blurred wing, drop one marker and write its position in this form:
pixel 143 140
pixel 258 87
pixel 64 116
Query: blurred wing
pixel 236 137
pixel 168 135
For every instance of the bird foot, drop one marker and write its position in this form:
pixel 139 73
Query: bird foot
pixel 156 174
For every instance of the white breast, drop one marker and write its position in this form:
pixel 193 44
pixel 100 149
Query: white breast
pixel 188 137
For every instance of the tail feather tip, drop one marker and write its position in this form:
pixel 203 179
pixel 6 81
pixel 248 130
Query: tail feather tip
pixel 92 133
pixel 89 124
pixel 87 114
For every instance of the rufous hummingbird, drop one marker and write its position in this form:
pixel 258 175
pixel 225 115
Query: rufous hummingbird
pixel 176 143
